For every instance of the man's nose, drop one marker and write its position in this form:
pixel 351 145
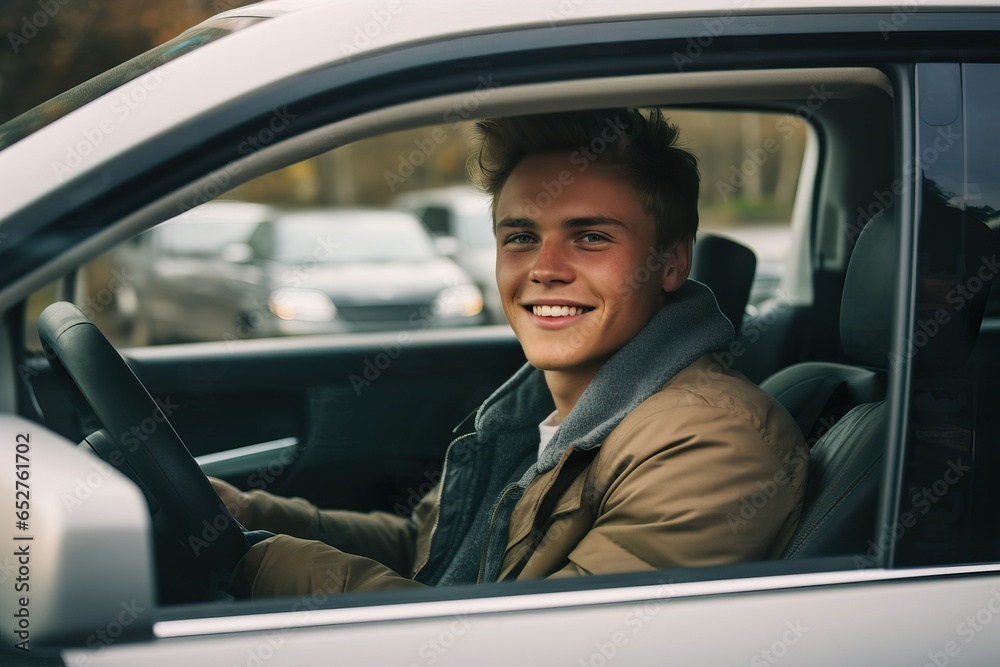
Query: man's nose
pixel 552 264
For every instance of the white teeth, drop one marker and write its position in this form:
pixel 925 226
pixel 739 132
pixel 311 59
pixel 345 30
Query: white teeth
pixel 557 311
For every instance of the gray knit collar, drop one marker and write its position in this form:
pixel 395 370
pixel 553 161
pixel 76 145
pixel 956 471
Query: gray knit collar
pixel 689 325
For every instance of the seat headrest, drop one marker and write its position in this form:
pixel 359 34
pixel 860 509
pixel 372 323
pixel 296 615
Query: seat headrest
pixel 956 263
pixel 869 288
pixel 728 268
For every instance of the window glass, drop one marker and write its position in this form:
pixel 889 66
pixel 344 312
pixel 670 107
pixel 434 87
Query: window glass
pixel 36 304
pixel 948 507
pixel 385 238
pixel 338 239
pixel 750 164
pixel 48 112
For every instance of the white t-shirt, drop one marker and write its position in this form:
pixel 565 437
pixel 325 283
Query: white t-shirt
pixel 546 430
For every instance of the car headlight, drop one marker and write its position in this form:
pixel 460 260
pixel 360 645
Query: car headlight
pixel 308 305
pixel 458 301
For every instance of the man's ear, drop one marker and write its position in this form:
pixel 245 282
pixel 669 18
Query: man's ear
pixel 678 265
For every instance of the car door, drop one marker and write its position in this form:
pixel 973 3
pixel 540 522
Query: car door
pixel 357 406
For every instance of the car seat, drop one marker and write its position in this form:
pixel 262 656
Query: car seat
pixel 839 508
pixel 728 268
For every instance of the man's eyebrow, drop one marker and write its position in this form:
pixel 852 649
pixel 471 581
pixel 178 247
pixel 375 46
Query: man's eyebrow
pixel 572 223
pixel 516 223
pixel 594 221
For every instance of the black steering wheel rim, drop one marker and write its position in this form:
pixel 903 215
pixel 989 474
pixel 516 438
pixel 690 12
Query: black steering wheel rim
pixel 99 381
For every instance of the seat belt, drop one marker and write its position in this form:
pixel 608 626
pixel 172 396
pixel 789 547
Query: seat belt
pixel 819 404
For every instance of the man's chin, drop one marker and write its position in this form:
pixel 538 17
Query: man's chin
pixel 559 364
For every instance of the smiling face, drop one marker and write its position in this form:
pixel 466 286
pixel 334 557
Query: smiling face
pixel 578 268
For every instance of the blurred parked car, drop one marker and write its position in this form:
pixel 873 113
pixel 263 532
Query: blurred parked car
pixel 189 271
pixel 459 218
pixel 235 270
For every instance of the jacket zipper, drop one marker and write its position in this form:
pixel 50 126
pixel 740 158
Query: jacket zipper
pixel 554 491
pixel 437 517
pixel 489 531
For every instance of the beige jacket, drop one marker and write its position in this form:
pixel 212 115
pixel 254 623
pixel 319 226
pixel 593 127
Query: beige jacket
pixel 709 470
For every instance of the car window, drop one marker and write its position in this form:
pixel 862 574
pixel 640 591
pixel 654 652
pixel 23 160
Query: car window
pixel 750 164
pixel 224 259
pixel 947 512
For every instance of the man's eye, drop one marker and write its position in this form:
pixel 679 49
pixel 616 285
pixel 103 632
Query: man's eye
pixel 519 239
pixel 594 237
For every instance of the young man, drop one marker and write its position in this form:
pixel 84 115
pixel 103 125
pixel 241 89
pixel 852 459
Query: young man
pixel 621 445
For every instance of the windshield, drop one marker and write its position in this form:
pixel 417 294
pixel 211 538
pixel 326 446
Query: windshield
pixel 35 119
pixel 363 238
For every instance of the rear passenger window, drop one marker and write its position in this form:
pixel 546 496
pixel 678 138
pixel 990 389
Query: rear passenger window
pixel 948 509
pixel 750 170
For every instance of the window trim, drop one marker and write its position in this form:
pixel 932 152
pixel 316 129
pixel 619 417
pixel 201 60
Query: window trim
pixel 263 621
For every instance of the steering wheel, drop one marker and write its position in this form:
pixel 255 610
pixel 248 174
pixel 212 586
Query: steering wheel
pixel 138 439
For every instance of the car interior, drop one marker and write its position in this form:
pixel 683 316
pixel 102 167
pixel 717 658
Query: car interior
pixel 283 414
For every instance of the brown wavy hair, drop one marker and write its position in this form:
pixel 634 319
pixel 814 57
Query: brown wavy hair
pixel 642 141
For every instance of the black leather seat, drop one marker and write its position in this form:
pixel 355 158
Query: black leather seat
pixel 839 509
pixel 728 268
pixel 819 393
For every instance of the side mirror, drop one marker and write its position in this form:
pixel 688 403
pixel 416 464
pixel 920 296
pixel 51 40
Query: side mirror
pixel 79 567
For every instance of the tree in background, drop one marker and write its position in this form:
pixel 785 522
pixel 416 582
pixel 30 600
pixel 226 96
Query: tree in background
pixel 50 46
